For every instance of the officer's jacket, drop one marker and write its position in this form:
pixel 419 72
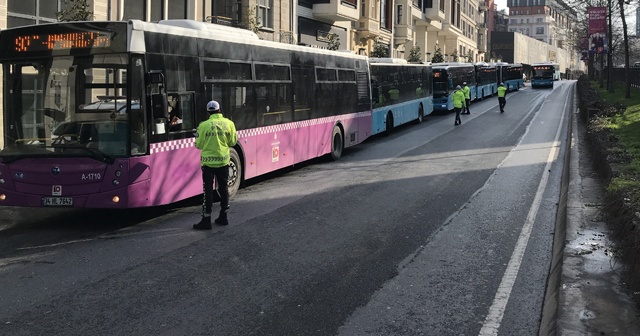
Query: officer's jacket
pixel 467 92
pixel 458 99
pixel 215 136
pixel 502 91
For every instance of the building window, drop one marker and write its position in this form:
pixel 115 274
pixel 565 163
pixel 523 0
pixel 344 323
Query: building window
pixel 385 14
pixel 23 13
pixel 428 4
pixel 134 9
pixel 265 13
pixel 137 9
pixel 156 10
pixel 539 20
pixel 539 30
pixel 399 15
pixel 177 9
pixel 363 8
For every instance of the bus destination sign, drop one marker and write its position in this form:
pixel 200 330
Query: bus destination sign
pixel 62 41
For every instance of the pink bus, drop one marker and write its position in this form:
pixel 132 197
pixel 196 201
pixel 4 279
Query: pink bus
pixel 103 114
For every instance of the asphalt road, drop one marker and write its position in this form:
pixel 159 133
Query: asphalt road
pixel 432 230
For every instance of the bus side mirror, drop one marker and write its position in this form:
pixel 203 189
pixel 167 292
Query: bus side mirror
pixel 159 105
pixel 154 77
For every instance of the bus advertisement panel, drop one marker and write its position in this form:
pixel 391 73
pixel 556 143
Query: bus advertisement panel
pixel 103 114
pixel 401 93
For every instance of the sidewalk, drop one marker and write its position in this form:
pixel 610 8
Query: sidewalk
pixel 591 298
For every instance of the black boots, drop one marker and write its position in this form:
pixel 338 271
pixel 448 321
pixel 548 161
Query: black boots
pixel 204 224
pixel 222 219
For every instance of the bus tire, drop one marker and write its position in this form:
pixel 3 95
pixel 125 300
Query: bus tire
pixel 337 143
pixel 420 115
pixel 235 172
pixel 389 123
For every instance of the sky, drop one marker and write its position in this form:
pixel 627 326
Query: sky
pixel 502 4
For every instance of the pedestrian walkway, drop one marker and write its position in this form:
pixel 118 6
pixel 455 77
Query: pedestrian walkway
pixel 592 299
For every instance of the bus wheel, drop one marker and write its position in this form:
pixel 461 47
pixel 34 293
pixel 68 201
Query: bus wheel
pixel 235 172
pixel 420 115
pixel 389 126
pixel 337 143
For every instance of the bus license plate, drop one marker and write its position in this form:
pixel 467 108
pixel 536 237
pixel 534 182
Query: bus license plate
pixel 57 201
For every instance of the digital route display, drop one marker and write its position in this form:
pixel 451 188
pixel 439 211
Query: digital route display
pixel 62 41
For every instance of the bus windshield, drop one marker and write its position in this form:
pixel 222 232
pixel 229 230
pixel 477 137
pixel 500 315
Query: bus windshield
pixel 543 72
pixel 67 106
pixel 440 84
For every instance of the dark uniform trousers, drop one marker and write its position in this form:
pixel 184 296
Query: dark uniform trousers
pixel 221 176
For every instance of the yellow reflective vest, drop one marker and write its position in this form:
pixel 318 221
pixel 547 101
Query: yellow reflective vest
pixel 467 92
pixel 458 99
pixel 502 91
pixel 214 138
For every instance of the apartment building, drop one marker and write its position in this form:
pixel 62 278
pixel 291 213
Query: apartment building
pixel 548 21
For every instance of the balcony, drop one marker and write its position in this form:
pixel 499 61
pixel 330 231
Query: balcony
pixel 482 6
pixel 402 33
pixel 367 26
pixel 336 10
pixel 434 17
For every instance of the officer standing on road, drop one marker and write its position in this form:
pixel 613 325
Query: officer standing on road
pixel 458 103
pixel 467 98
pixel 214 138
pixel 502 97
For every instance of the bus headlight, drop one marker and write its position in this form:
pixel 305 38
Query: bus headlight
pixel 115 199
pixel 1 181
pixel 3 197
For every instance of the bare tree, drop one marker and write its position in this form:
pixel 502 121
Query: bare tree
pixel 627 80
pixel 74 10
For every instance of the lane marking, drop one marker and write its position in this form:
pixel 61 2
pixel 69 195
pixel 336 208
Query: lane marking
pixel 496 311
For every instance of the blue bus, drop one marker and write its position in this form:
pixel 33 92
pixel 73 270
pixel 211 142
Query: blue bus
pixel 402 92
pixel 446 76
pixel 486 80
pixel 542 75
pixel 510 74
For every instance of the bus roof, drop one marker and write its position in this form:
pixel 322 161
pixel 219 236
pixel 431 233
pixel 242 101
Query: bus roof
pixel 204 26
pixel 388 60
pixel 213 31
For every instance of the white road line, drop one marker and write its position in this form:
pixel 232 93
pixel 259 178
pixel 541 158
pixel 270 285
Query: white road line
pixel 496 311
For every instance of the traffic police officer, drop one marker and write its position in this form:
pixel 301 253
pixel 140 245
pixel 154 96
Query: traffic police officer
pixel 502 94
pixel 458 103
pixel 467 97
pixel 214 138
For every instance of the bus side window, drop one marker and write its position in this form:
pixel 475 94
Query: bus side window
pixel 187 111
